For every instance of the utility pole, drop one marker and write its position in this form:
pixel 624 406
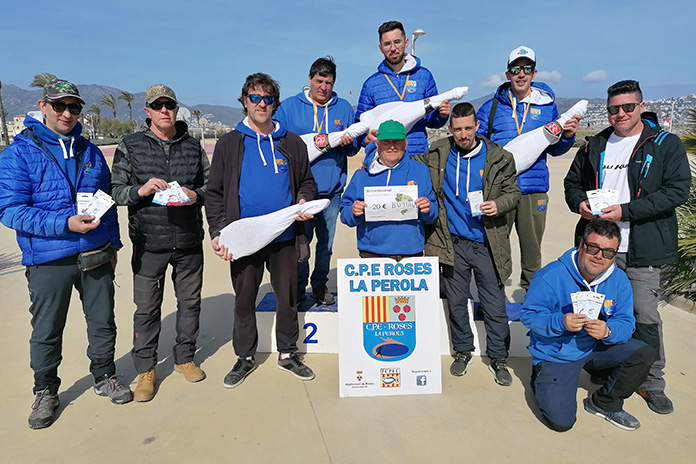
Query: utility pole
pixel 4 136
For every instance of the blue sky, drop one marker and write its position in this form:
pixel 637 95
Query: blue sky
pixel 204 50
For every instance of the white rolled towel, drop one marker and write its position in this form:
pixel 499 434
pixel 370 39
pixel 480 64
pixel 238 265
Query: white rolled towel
pixel 246 236
pixel 527 148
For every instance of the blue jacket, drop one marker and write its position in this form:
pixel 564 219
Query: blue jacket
pixel 416 83
pixel 390 237
pixel 296 114
pixel 36 198
pixel 548 300
pixel 542 111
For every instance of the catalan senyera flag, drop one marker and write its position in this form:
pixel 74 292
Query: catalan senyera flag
pixel 375 309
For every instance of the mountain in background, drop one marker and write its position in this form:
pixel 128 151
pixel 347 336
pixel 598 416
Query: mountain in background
pixel 19 101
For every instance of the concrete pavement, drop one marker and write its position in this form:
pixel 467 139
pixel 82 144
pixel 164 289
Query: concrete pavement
pixel 273 417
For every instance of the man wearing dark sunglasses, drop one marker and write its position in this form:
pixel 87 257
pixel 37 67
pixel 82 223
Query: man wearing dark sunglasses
pixel 163 236
pixel 650 170
pixel 46 177
pixel 564 339
pixel 318 109
pixel 520 106
pixel 257 169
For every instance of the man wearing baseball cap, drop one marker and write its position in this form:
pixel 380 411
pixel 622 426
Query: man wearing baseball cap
pixel 389 167
pixel 47 176
pixel 144 163
pixel 519 106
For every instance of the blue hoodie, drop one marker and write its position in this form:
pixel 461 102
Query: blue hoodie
pixel 264 182
pixel 296 114
pixel 389 237
pixel 541 111
pixel 415 83
pixel 37 196
pixel 548 300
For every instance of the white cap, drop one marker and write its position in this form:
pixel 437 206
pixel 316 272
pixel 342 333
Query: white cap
pixel 521 52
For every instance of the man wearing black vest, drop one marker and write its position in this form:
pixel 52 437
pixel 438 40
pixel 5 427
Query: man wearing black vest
pixel 162 234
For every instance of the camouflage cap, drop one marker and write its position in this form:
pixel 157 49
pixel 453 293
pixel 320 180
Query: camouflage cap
pixel 157 91
pixel 59 88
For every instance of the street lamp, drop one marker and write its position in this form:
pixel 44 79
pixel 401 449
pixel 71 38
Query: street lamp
pixel 417 33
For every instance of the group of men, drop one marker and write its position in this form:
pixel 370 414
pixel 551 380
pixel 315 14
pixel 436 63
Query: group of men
pixel 468 198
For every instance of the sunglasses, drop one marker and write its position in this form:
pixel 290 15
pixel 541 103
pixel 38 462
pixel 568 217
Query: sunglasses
pixel 627 107
pixel 256 99
pixel 60 107
pixel 515 70
pixel 157 105
pixel 607 253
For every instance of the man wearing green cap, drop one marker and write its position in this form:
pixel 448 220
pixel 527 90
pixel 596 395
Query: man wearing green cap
pixel 144 163
pixel 389 168
pixel 47 176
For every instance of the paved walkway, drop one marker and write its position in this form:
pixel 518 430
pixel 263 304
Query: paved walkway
pixel 274 418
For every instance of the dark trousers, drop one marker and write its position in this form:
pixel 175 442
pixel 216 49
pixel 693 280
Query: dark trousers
pixel 50 289
pixel 529 219
pixel 555 384
pixel 247 273
pixel 474 257
pixel 149 270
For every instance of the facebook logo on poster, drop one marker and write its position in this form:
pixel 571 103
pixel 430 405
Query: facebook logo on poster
pixel 421 380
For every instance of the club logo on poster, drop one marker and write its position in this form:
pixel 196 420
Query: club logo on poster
pixel 389 327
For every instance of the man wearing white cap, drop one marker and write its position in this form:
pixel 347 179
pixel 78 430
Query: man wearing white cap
pixel 519 106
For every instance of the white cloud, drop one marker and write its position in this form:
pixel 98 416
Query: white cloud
pixel 549 76
pixel 492 82
pixel 596 76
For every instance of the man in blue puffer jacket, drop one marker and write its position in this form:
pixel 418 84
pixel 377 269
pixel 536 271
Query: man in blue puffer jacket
pixel 317 109
pixel 400 77
pixel 563 340
pixel 46 177
pixel 520 106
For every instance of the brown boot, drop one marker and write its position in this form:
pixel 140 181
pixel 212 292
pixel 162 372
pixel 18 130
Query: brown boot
pixel 191 372
pixel 145 390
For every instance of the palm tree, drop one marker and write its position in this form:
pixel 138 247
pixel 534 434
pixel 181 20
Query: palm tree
pixel 42 79
pixel 4 136
pixel 197 114
pixel 95 109
pixel 110 101
pixel 128 98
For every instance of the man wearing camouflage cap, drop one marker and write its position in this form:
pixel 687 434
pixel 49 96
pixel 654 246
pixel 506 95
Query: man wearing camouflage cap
pixel 144 163
pixel 47 177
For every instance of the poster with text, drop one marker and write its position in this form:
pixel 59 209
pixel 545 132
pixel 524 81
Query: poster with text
pixel 389 328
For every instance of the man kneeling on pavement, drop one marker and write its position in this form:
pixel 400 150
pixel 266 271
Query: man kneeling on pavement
pixel 567 336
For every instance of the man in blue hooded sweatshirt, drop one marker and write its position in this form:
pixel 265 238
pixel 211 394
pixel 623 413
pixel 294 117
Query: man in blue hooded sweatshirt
pixel 317 109
pixel 564 338
pixel 520 106
pixel 400 77
pixel 257 169
pixel 46 178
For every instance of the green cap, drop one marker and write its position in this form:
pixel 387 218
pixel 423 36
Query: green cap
pixel 59 88
pixel 391 130
pixel 158 91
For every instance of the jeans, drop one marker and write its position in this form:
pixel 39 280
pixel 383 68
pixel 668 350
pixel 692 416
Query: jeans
pixel 324 225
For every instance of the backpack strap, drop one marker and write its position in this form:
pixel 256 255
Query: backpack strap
pixel 491 116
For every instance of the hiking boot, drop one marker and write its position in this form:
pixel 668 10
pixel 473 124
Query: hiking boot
pixel 295 367
pixel 145 390
pixel 239 372
pixel 462 360
pixel 43 410
pixel 657 401
pixel 323 295
pixel 110 386
pixel 499 369
pixel 621 419
pixel 191 372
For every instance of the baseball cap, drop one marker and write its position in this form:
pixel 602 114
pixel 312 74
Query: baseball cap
pixel 59 88
pixel 521 52
pixel 157 91
pixel 391 130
